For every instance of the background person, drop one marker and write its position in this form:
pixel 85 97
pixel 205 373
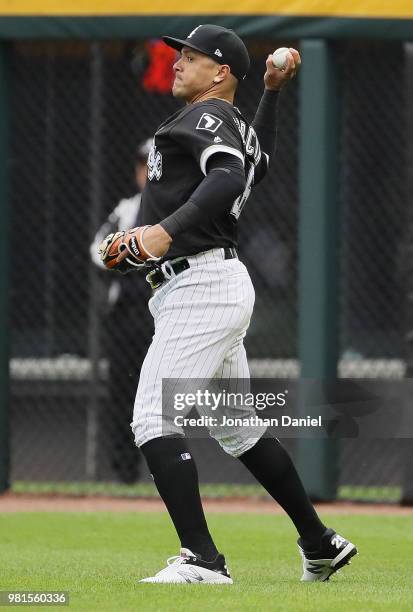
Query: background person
pixel 123 318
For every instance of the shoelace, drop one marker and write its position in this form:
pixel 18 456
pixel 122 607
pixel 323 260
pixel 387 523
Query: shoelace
pixel 176 560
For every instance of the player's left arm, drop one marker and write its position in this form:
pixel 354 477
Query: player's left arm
pixel 223 183
pixel 265 120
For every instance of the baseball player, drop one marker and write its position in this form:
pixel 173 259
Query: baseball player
pixel 204 161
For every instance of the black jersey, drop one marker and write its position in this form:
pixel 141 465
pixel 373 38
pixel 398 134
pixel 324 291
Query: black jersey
pixel 177 164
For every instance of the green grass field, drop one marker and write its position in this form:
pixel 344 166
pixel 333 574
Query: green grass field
pixel 99 557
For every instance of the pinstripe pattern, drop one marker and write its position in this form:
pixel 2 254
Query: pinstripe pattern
pixel 201 317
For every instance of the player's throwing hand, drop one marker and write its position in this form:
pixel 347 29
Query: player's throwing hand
pixel 275 78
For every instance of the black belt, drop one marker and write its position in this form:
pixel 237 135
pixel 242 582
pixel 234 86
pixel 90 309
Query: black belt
pixel 157 276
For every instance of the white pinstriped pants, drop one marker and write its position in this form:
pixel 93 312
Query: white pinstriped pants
pixel 201 317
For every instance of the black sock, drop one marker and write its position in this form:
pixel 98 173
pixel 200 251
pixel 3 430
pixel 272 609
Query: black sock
pixel 271 465
pixel 176 478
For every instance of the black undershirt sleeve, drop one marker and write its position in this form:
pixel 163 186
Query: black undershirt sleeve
pixel 224 182
pixel 265 122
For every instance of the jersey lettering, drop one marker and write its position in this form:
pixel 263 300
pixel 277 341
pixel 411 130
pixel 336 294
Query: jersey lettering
pixel 154 164
pixel 252 146
pixel 209 122
pixel 242 127
pixel 250 140
pixel 241 200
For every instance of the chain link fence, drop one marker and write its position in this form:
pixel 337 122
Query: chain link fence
pixel 79 111
pixel 373 201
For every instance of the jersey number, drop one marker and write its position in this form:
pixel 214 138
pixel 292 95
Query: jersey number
pixel 241 200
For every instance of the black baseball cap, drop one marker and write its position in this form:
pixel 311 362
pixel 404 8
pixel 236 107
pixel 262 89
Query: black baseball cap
pixel 220 44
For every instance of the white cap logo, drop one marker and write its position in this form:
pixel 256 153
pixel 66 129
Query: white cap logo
pixel 193 31
pixel 218 52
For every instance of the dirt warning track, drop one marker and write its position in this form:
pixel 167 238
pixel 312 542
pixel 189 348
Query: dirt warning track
pixel 12 502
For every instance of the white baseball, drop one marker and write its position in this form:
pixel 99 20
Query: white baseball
pixel 279 57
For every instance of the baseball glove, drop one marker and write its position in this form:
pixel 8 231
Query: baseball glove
pixel 125 251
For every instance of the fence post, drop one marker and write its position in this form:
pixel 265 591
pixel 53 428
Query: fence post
pixel 318 268
pixel 4 269
pixel 407 493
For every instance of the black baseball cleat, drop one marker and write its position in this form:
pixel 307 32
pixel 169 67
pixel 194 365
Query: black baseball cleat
pixel 189 568
pixel 334 553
